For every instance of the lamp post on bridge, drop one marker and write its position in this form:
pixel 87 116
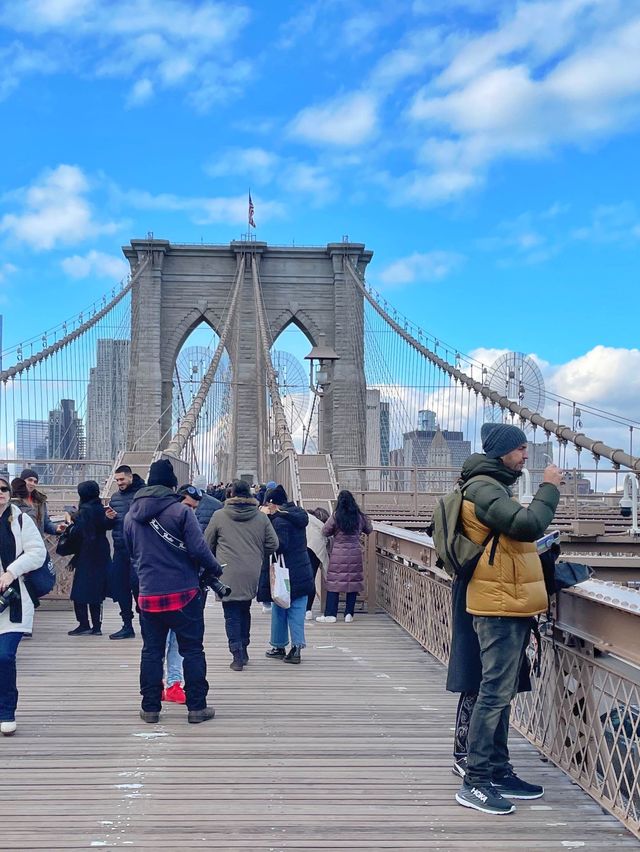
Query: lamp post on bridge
pixel 326 357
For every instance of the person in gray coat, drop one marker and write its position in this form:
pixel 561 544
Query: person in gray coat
pixel 240 537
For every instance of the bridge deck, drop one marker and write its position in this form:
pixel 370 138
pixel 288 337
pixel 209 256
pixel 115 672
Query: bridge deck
pixel 351 750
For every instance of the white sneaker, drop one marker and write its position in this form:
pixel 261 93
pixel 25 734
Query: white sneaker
pixel 326 619
pixel 308 615
pixel 8 729
pixel 348 618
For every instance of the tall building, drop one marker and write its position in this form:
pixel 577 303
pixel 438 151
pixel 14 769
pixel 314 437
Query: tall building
pixel 32 437
pixel 435 449
pixel 66 440
pixel 107 404
pixel 373 438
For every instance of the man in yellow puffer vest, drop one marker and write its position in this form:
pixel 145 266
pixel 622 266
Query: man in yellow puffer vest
pixel 506 591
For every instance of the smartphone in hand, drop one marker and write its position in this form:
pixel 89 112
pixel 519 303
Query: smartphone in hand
pixel 547 541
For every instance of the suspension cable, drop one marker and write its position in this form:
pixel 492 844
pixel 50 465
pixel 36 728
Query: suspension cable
pixel 563 433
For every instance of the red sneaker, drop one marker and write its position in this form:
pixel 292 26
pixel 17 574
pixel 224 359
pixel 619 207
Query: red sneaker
pixel 175 693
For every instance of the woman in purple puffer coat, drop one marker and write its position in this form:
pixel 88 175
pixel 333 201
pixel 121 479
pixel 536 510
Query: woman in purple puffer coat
pixel 345 572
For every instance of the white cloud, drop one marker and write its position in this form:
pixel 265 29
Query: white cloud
pixel 55 211
pixel 96 264
pixel 167 42
pixel 611 223
pixel 346 121
pixel 258 164
pixel 203 210
pixel 6 269
pixel 416 267
pixel 551 74
pixel 141 92
pixel 605 376
pixel 18 62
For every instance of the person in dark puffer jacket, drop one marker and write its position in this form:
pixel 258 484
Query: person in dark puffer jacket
pixel 207 505
pixel 121 586
pixel 167 550
pixel 289 521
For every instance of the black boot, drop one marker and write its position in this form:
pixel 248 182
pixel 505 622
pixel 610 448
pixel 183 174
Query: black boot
pixel 245 656
pixel 125 632
pixel 236 664
pixel 275 653
pixel 293 656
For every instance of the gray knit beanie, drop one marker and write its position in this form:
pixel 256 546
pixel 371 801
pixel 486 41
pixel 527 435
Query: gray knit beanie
pixel 498 439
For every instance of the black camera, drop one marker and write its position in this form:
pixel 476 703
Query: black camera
pixel 208 580
pixel 8 595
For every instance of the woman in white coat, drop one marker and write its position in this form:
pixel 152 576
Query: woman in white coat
pixel 21 550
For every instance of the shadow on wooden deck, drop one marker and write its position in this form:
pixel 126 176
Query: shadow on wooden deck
pixel 350 750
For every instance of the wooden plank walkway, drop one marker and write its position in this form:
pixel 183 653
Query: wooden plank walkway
pixel 350 750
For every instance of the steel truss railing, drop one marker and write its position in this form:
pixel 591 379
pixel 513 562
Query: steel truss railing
pixel 618 457
pixel 583 712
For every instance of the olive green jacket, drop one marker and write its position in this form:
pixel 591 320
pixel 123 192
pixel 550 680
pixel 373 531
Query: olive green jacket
pixel 508 579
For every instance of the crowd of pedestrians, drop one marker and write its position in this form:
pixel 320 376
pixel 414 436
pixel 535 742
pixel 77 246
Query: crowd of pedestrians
pixel 171 543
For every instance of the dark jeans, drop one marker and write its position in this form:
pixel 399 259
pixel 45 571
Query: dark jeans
pixel 8 691
pixel 503 641
pixel 188 625
pixel 466 703
pixel 332 599
pixel 237 623
pixel 315 564
pixel 125 602
pixel 82 614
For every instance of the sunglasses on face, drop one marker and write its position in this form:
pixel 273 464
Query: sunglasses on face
pixel 4 488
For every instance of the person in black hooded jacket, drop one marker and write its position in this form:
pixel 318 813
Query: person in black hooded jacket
pixel 87 535
pixel 289 522
pixel 121 586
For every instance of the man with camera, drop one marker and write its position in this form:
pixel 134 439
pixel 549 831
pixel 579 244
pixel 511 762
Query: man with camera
pixel 505 593
pixel 168 553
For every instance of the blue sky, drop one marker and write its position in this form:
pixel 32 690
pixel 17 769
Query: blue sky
pixel 486 151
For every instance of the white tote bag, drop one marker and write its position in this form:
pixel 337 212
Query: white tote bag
pixel 280 584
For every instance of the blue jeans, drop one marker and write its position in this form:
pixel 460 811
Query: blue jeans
pixel 8 691
pixel 288 621
pixel 331 603
pixel 503 642
pixel 188 625
pixel 173 660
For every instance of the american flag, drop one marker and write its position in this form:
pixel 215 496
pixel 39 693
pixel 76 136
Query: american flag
pixel 251 210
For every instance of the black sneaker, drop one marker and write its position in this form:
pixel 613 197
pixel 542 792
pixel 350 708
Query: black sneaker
pixel 125 632
pixel 512 787
pixel 460 767
pixel 96 631
pixel 194 717
pixel 483 798
pixel 80 630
